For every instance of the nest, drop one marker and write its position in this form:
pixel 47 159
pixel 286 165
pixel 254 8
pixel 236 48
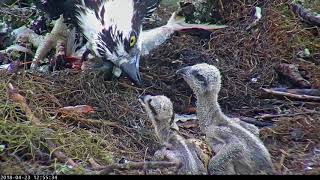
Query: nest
pixel 124 131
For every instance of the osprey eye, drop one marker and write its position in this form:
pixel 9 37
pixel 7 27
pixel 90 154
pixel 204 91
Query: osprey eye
pixel 133 40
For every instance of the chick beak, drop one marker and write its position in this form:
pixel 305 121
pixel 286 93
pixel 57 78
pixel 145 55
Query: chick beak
pixel 131 68
pixel 183 72
pixel 141 98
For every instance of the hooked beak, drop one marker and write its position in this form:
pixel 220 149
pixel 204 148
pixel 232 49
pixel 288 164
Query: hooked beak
pixel 131 68
pixel 183 72
pixel 143 99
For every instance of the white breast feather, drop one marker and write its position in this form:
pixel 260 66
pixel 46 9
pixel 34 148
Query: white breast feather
pixel 118 14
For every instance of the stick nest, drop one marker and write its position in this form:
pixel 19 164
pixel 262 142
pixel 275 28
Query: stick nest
pixel 247 60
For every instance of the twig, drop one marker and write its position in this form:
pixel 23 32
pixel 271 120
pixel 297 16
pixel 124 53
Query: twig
pixel 60 155
pixel 97 123
pixel 49 94
pixel 271 116
pixel 93 122
pixel 95 165
pixel 221 5
pixel 292 73
pixel 255 122
pixel 296 96
pixel 130 86
pixel 310 92
pixel 17 98
pixel 138 165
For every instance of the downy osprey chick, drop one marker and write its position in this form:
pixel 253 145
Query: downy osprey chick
pixel 191 154
pixel 239 149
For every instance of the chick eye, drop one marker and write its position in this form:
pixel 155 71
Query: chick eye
pixel 133 40
pixel 199 77
pixel 152 108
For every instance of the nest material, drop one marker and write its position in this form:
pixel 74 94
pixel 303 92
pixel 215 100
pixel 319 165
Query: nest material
pixel 240 55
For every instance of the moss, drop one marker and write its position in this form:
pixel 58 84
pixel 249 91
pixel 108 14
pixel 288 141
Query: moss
pixel 30 143
pixel 82 145
pixel 66 170
pixel 304 38
pixel 313 5
pixel 11 168
pixel 313 44
pixel 27 141
pixel 173 3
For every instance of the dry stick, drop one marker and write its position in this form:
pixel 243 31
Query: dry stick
pixel 221 4
pixel 309 92
pixel 22 102
pixel 138 165
pixel 255 122
pixel 95 123
pixel 50 95
pixel 98 124
pixel 60 155
pixel 129 86
pixel 95 165
pixel 270 116
pixel 131 166
pixel 296 96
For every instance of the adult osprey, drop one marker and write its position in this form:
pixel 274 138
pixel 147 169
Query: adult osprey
pixel 112 27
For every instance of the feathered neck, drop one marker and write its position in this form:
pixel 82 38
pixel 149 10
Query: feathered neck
pixel 209 111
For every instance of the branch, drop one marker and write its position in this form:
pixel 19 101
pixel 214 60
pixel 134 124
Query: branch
pixel 97 123
pixel 310 92
pixel 60 155
pixel 292 73
pixel 271 116
pixel 138 165
pixel 255 122
pixel 20 100
pixel 291 95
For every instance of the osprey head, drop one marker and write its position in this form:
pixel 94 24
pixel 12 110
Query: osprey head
pixel 113 28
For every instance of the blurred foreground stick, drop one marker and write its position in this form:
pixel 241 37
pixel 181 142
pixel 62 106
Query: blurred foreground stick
pixel 300 94
pixel 137 165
